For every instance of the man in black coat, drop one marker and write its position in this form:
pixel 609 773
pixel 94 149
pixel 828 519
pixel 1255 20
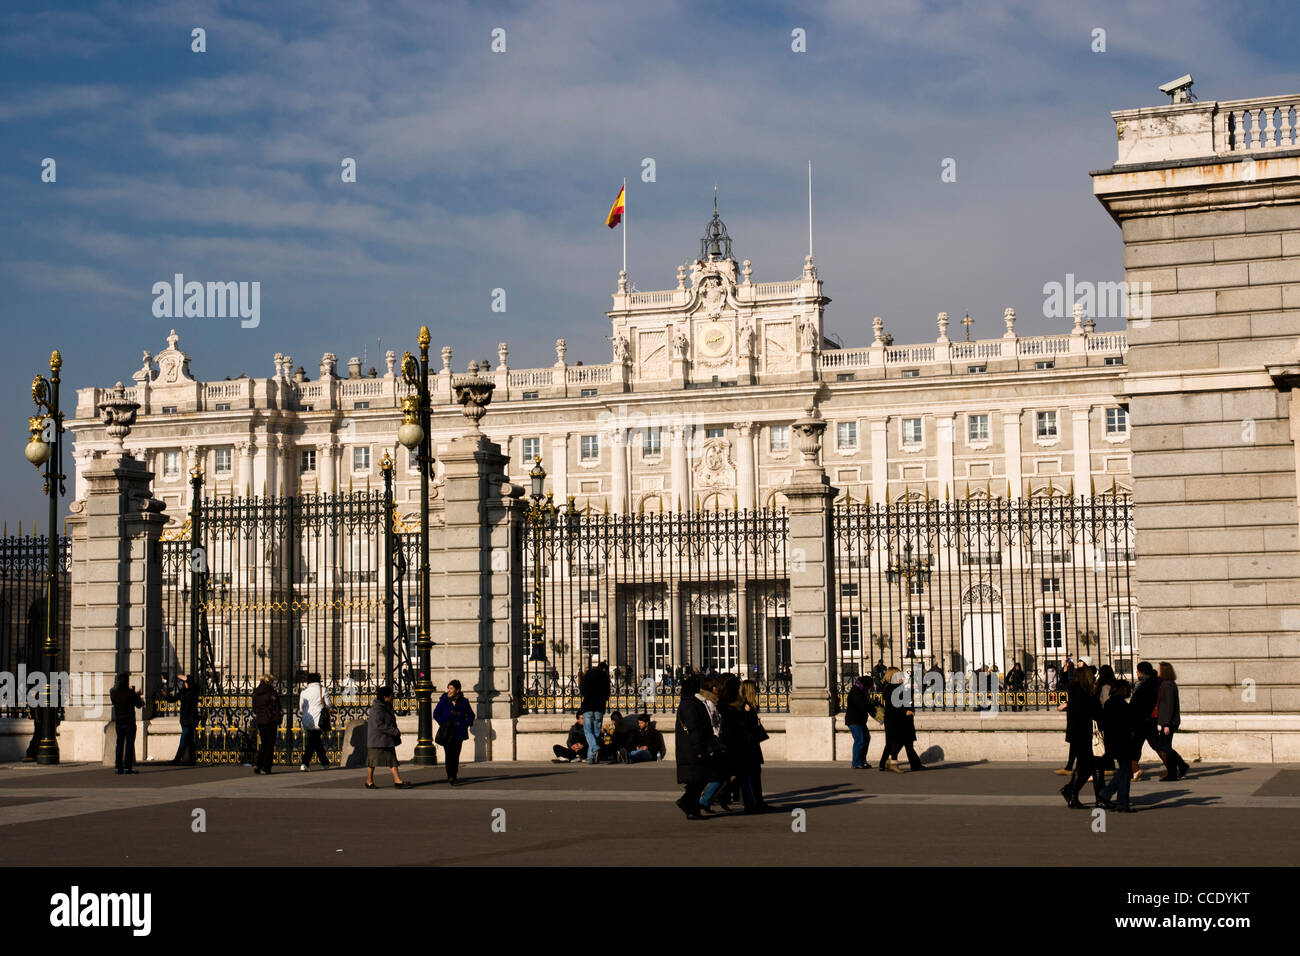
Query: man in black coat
pixel 900 723
pixel 646 743
pixel 695 746
pixel 575 746
pixel 267 713
pixel 1141 708
pixel 1117 734
pixel 188 695
pixel 594 688
pixel 125 699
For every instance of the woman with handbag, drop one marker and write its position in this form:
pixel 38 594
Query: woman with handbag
pixel 382 738
pixel 455 717
pixel 751 760
pixel 314 718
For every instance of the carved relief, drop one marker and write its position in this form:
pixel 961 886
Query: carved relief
pixel 717 465
pixel 652 354
pixel 779 348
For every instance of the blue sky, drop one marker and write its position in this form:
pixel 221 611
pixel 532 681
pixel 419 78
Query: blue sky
pixel 479 170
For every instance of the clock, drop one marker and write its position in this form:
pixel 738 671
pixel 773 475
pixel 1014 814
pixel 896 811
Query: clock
pixel 715 340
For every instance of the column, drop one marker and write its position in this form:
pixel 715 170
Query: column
pixel 274 473
pixel 944 431
pixel 1011 448
pixel 325 466
pixel 681 491
pixel 746 474
pixel 1082 450
pixel 560 466
pixel 193 455
pixel 245 483
pixel 618 467
pixel 879 460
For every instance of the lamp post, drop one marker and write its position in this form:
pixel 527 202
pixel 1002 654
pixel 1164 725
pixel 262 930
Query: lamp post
pixel 541 513
pixel 907 567
pixel 45 393
pixel 413 434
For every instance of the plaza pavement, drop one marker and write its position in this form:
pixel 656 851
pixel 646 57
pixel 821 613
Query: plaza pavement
pixel 955 814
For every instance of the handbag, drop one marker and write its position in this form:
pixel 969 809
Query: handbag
pixel 445 733
pixel 324 723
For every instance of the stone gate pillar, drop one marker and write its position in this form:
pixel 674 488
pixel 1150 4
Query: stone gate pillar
pixel 810 728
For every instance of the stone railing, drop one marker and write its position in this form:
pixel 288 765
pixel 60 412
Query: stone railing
pixel 652 298
pixel 354 388
pixel 1182 131
pixel 531 378
pixel 1257 124
pixel 589 374
pixel 765 290
pixel 214 390
pixel 909 354
pixel 837 360
pixel 1044 345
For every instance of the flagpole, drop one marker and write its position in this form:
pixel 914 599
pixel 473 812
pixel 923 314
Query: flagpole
pixel 624 225
pixel 810 208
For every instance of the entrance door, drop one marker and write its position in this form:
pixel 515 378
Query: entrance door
pixel 982 641
pixel 720 641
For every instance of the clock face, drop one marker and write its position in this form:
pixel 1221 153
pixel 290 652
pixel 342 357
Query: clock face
pixel 715 340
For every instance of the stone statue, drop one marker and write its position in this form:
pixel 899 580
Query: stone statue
pixel 622 350
pixel 682 344
pixel 561 347
pixel 809 335
pixel 745 339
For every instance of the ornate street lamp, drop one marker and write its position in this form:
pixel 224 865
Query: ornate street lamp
pixel 45 393
pixel 414 434
pixel 540 514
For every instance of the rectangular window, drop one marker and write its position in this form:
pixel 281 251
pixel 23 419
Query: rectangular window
pixel 413 460
pixel 171 464
pixel 1045 366
pixel 781 633
pixel 1114 360
pixel 778 438
pixel 911 431
pixel 911 373
pixel 588 393
pixel 306 408
pixel 846 435
pixel 169 410
pixel 361 405
pixel 589 639
pixel 589 596
pixel 917 643
pixel 220 646
pixel 652 442
pixel 223 407
pixel 1116 421
pixel 307 461
pixel 590 447
pixel 850 636
pixel 1051 585
pixel 359 644
pixel 848 589
pixel 223 461
pixel 843 376
pixel 714 432
pixel 529 396
pixel 1053 631
pixel 360 459
pixel 977 428
pixel 301 646
pixel 1046 424
pixel 658 645
pixel 916 585
pixel 976 369
pixel 532 450
pixel 1121 632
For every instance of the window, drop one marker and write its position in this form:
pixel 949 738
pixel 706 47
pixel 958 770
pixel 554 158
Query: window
pixel 590 447
pixel 307 461
pixel 911 373
pixel 1116 421
pixel 911 431
pixel 301 645
pixel 850 635
pixel 846 435
pixel 306 408
pixel 171 464
pixel 659 645
pixel 1051 585
pixel 532 450
pixel 588 393
pixel 361 405
pixel 1053 631
pixel 220 646
pixel 588 596
pixel 714 432
pixel 529 396
pixel 1121 632
pixel 589 639
pixel 977 428
pixel 843 376
pixel 413 460
pixel 849 589
pixel 916 635
pixel 1114 360
pixel 781 632
pixel 223 461
pixel 361 459
pixel 1044 366
pixel 916 585
pixel 1046 424
pixel 652 442
pixel 223 407
pixel 778 438
pixel 359 644
pixel 976 369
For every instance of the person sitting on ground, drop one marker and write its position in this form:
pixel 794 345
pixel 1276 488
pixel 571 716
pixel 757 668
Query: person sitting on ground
pixel 609 749
pixel 575 747
pixel 647 743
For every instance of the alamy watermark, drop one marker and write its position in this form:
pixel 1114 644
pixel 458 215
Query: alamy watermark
pixel 211 300
pixel 1100 300
pixel 28 689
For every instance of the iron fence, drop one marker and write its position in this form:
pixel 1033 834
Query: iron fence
pixel 657 597
pixel 23 563
pixel 957 593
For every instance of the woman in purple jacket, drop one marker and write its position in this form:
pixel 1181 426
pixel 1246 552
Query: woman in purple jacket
pixel 455 717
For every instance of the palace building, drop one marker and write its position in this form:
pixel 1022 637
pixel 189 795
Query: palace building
pixel 693 411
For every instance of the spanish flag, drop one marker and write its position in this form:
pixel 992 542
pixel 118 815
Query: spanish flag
pixel 616 211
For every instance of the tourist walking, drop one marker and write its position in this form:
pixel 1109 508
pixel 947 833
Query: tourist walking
pixel 1167 721
pixel 695 746
pixel 1142 707
pixel 314 718
pixel 750 761
pixel 1117 734
pixel 188 695
pixel 594 687
pixel 267 714
pixel 383 739
pixel 1106 682
pixel 455 717
pixel 125 699
pixel 855 717
pixel 730 731
pixel 900 724
pixel 1081 710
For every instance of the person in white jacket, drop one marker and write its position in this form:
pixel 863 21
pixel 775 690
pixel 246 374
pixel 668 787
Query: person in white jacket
pixel 313 705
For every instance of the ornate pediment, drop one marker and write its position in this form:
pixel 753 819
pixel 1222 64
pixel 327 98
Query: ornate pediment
pixel 173 364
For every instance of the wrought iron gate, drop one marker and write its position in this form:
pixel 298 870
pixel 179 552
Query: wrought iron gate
pixel 22 610
pixel 290 587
